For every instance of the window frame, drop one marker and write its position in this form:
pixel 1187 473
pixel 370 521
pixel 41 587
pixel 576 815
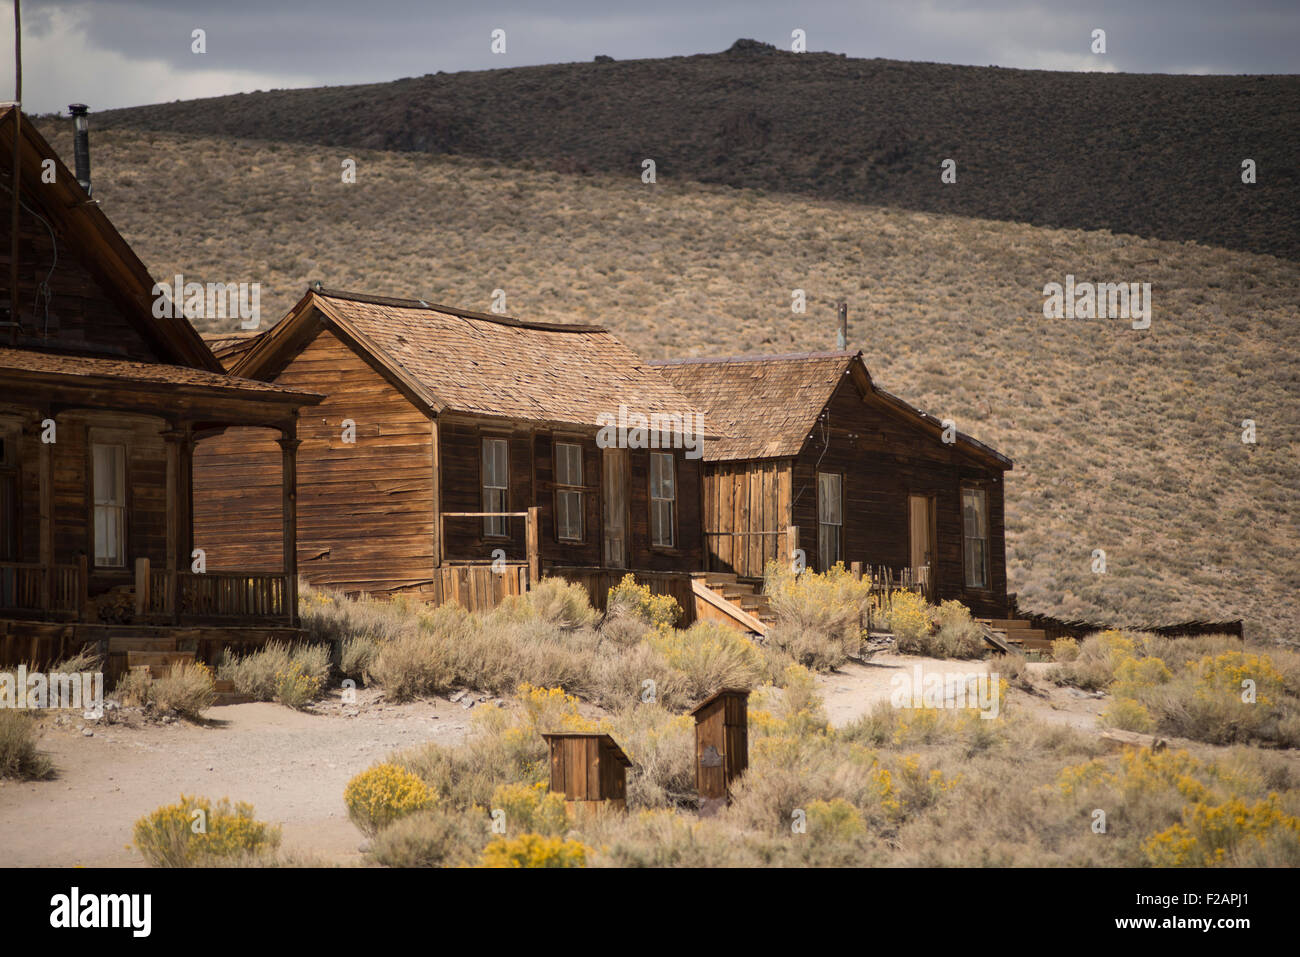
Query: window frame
pixel 654 500
pixel 574 492
pixel 494 527
pixel 823 564
pixel 983 540
pixel 108 440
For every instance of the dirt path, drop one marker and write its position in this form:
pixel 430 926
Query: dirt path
pixel 857 688
pixel 291 766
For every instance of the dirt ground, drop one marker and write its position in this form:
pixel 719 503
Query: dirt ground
pixel 292 766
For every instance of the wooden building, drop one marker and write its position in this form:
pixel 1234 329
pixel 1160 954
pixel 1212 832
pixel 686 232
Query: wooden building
pixel 589 769
pixel 441 433
pixel 102 406
pixel 721 745
pixel 809 442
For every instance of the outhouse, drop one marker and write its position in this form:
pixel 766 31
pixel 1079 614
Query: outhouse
pixel 721 745
pixel 588 769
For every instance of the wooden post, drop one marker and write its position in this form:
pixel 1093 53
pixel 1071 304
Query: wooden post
pixel 532 539
pixel 142 581
pixel 83 586
pixel 856 569
pixel 791 544
pixel 289 443
pixel 45 456
pixel 179 446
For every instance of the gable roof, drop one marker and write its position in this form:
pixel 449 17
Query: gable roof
pixel 230 346
pixel 766 406
pixel 104 252
pixel 451 360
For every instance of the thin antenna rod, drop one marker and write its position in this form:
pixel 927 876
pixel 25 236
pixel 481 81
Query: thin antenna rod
pixel 13 222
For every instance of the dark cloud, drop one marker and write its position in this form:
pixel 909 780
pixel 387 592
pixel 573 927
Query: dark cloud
pixel 123 52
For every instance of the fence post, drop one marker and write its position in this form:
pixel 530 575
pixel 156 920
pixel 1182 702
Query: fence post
pixel 856 569
pixel 142 578
pixel 791 544
pixel 531 543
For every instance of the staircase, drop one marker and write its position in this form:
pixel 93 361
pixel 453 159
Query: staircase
pixel 1019 633
pixel 156 656
pixel 719 595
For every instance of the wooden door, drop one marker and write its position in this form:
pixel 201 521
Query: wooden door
pixel 616 470
pixel 921 532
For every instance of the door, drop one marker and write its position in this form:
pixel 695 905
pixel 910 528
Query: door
pixel 921 532
pixel 615 487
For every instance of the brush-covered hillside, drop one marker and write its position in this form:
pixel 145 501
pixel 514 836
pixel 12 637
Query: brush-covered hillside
pixel 1124 440
pixel 1153 155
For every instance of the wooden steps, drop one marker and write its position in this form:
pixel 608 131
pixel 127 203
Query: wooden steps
pixel 1019 633
pixel 738 603
pixel 159 663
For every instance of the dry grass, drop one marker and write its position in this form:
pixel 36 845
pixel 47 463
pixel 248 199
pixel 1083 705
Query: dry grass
pixel 872 131
pixel 19 757
pixel 1125 441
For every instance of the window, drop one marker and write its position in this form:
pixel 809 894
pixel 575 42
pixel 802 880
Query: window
pixel 568 491
pixel 109 478
pixel 830 519
pixel 663 499
pixel 496 487
pixel 8 496
pixel 975 535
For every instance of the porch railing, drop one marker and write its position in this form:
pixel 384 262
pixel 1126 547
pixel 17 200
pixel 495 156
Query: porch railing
pixel 210 595
pixel 33 587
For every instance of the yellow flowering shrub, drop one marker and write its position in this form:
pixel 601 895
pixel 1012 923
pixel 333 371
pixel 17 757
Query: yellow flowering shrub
pixel 294 686
pixel 1210 833
pixel 382 794
pixel 530 808
pixel 1222 676
pixel 534 850
pixel 195 831
pixel 834 820
pixel 660 611
pixel 910 618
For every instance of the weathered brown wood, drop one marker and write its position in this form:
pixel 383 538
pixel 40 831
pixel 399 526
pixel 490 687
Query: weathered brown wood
pixel 721 745
pixel 534 555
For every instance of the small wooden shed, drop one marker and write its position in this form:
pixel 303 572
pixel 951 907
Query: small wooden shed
pixel 588 769
pixel 721 745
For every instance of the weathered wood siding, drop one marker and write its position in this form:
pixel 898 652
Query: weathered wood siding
pixel 365 509
pixel 746 511
pixel 81 314
pixel 883 460
pixel 72 496
pixel 532 482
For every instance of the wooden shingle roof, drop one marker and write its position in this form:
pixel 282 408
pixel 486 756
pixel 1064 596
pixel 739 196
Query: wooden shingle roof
pixel 761 406
pixel 766 406
pixel 229 346
pixel 77 366
pixel 488 365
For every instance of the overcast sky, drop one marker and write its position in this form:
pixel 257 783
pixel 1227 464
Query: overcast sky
pixel 111 53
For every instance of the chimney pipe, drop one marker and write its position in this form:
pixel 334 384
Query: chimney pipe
pixel 81 142
pixel 843 338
